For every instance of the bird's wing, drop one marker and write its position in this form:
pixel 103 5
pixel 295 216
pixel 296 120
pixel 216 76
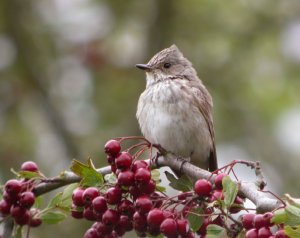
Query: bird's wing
pixel 205 104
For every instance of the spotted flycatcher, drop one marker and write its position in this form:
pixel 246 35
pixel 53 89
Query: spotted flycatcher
pixel 175 110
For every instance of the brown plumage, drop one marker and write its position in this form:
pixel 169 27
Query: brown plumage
pixel 175 110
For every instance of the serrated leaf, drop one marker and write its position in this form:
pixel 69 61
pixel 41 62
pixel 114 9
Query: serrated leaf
pixel 214 231
pixel 29 175
pixel 160 188
pixel 155 175
pixel 293 215
pixel 183 183
pixel 54 202
pixel 230 191
pixel 293 232
pixel 88 173
pixel 66 198
pixel 279 216
pixel 52 217
pixel 292 201
pixel 195 218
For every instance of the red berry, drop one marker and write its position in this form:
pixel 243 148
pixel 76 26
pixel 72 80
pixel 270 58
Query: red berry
pixel 157 200
pixel 113 234
pixel 13 187
pixel 120 230
pixel 259 221
pixel 143 204
pixel 219 179
pixel 23 219
pixel 252 233
pixel 183 227
pixel 35 222
pixel 155 217
pixel 139 222
pixel 77 214
pixel 147 188
pixel 202 188
pixel 77 197
pixel 267 218
pixel 113 168
pixel 112 147
pixel 142 175
pixel 110 159
pixel 280 234
pixel 126 178
pixel 191 234
pixel 4 207
pixel 91 233
pixel 153 230
pixel 217 195
pixel 27 199
pixel 264 232
pixel 125 222
pixel 102 229
pixel 134 192
pixel 123 161
pixel 125 207
pixel 184 196
pixel 110 217
pixel 113 195
pixel 99 204
pixel 89 194
pixel 169 227
pixel 29 166
pixel 139 164
pixel 17 211
pixel 89 214
pixel 168 214
pixel 247 220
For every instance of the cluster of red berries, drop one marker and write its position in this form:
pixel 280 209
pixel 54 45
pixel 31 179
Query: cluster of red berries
pixel 132 203
pixel 18 199
pixel 258 226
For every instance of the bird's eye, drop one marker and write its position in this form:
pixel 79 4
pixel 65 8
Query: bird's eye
pixel 167 65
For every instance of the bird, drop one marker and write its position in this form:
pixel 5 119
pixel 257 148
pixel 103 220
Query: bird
pixel 175 109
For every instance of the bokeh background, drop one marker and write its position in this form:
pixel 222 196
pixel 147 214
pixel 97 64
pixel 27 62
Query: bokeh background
pixel 68 81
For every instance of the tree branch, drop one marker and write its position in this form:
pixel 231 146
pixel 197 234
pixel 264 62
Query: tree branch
pixel 249 190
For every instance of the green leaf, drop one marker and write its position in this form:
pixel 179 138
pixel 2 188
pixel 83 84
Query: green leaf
pixel 293 232
pixel 155 175
pixel 66 198
pixel 18 232
pixel 195 218
pixel 214 231
pixel 293 215
pixel 52 217
pixel 160 188
pixel 54 202
pixel 183 183
pixel 292 201
pixel 30 175
pixel 279 216
pixel 38 202
pixel 88 173
pixel 230 190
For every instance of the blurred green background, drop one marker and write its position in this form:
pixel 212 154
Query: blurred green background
pixel 68 81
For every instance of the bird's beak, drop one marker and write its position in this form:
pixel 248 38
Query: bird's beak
pixel 143 66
